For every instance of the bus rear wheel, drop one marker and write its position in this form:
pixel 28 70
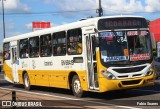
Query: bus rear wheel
pixel 76 87
pixel 26 82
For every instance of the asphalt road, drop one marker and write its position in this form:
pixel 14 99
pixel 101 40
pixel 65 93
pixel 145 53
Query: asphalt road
pixel 131 99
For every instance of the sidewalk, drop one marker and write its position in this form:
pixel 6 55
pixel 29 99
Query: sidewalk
pixel 46 101
pixel 25 97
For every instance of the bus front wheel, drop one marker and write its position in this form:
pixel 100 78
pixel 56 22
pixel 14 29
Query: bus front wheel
pixel 76 87
pixel 26 82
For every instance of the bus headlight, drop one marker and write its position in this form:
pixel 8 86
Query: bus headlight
pixel 108 74
pixel 150 72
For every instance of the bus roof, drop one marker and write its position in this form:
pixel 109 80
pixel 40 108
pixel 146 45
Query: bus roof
pixel 78 24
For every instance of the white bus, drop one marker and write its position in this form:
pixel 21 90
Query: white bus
pixel 97 54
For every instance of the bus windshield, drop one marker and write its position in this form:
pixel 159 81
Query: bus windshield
pixel 125 45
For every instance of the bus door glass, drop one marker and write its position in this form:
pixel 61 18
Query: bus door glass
pixel 14 63
pixel 91 63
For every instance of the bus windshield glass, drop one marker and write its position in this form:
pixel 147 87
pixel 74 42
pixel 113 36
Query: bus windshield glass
pixel 125 46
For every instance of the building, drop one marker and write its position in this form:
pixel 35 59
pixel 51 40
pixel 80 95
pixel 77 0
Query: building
pixel 155 29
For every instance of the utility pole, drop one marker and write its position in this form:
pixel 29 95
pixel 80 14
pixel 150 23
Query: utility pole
pixel 3 20
pixel 100 10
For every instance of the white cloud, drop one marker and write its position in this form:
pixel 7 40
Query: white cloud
pixel 109 6
pixel 122 6
pixel 15 5
pixel 54 24
pixel 152 5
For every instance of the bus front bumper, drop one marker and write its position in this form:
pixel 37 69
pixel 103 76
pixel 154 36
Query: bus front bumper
pixel 108 85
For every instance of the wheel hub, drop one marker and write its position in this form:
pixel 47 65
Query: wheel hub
pixel 26 82
pixel 77 86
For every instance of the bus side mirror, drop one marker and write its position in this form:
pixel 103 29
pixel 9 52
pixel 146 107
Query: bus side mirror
pixel 95 41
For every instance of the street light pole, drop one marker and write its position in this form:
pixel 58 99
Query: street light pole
pixel 3 19
pixel 100 10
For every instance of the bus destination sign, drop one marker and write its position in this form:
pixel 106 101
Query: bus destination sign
pixel 121 23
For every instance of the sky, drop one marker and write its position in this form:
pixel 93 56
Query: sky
pixel 19 14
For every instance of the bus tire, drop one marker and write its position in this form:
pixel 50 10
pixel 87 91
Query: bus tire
pixel 26 82
pixel 76 87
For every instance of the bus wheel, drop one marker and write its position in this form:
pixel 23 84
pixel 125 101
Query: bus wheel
pixel 76 87
pixel 26 82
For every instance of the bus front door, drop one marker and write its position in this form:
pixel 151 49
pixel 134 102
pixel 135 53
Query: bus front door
pixel 91 63
pixel 15 63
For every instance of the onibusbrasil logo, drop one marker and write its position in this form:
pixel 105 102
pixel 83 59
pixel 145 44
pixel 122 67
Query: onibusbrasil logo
pixel 21 104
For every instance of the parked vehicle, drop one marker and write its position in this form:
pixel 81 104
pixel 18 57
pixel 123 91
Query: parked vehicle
pixel 157 66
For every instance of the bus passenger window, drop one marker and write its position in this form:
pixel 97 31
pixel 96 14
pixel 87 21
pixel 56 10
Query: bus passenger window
pixel 45 45
pixel 23 48
pixel 75 41
pixel 59 43
pixel 6 51
pixel 34 47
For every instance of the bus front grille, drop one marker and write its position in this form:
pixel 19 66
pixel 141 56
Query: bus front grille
pixel 129 70
pixel 131 82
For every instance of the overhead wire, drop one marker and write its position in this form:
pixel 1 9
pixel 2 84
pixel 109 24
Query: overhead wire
pixel 73 11
pixel 58 12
